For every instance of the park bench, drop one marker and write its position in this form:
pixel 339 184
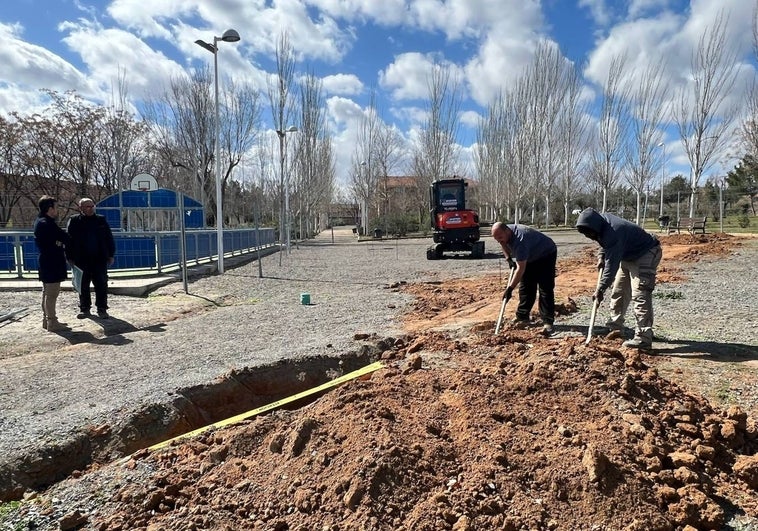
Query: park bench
pixel 691 225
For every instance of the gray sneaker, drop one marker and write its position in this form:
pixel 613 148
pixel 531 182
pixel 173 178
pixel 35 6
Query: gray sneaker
pixel 638 343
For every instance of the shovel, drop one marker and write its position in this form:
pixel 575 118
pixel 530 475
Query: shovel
pixel 502 306
pixel 595 304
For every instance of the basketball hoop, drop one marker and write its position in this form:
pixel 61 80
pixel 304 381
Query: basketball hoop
pixel 144 182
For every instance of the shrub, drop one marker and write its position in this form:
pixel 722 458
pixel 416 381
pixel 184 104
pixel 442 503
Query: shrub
pixel 743 220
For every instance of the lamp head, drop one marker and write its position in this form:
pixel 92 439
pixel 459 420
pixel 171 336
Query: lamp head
pixel 210 47
pixel 230 35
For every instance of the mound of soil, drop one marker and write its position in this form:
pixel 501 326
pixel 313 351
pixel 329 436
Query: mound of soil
pixel 483 432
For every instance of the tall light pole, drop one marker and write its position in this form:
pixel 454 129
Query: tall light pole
pixel 229 35
pixel 721 205
pixel 364 206
pixel 286 178
pixel 663 175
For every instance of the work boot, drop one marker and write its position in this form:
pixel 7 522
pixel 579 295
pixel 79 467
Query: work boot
pixel 84 314
pixel 638 343
pixel 547 329
pixel 615 325
pixel 53 325
pixel 519 324
pixel 44 323
pixel 102 314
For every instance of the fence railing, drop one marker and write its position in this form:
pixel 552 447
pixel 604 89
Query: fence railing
pixel 141 252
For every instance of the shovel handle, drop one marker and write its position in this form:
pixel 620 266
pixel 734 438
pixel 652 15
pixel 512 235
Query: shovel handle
pixel 502 306
pixel 595 305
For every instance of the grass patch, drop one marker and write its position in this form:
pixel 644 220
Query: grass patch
pixel 7 507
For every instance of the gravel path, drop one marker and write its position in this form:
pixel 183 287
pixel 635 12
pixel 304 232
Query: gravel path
pixel 51 386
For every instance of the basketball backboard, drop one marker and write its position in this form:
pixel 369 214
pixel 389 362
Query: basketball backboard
pixel 144 182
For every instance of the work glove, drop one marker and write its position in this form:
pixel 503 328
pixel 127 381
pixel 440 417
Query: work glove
pixel 600 262
pixel 511 263
pixel 598 296
pixel 508 293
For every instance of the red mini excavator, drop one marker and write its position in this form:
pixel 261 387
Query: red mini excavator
pixel 455 228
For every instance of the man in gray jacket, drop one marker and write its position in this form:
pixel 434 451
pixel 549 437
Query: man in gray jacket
pixel 629 257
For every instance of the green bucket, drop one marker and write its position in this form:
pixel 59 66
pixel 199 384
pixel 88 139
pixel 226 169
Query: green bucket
pixel 305 298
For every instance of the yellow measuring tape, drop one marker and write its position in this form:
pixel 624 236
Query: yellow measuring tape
pixel 273 405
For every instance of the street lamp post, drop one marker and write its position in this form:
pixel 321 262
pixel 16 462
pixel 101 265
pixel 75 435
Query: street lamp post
pixel 663 175
pixel 721 205
pixel 364 203
pixel 229 35
pixel 282 152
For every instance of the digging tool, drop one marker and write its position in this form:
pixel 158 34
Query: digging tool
pixel 12 314
pixel 595 304
pixel 505 301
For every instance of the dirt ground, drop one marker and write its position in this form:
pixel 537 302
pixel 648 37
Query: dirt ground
pixel 461 430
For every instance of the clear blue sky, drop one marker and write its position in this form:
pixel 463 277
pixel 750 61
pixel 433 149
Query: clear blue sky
pixel 353 45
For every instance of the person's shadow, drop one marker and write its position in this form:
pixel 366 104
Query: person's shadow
pixel 114 330
pixel 684 348
pixel 710 350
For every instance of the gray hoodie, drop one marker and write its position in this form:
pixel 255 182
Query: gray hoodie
pixel 619 239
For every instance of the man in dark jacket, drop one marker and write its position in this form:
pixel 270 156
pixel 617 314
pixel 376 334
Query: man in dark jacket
pixel 629 257
pixel 92 250
pixel 51 241
pixel 535 255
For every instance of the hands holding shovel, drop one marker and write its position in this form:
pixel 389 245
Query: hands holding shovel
pixel 506 295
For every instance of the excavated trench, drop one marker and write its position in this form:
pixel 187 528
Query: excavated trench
pixel 185 410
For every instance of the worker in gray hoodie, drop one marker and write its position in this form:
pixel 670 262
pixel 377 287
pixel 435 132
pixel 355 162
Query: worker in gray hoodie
pixel 629 257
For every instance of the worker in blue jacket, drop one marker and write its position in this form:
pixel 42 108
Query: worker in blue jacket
pixel 629 258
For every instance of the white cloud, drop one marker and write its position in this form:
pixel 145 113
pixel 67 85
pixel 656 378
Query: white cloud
pixel 108 53
pixel 598 11
pixel 343 84
pixel 406 77
pixel 31 67
pixel 470 119
pixel 498 64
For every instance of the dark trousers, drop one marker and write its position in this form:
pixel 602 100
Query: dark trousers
pixel 538 274
pixel 98 276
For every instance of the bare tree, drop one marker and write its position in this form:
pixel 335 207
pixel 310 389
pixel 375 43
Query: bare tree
pixel 282 107
pixel 607 158
pixel 704 118
pixel 182 132
pixel 314 156
pixel 573 141
pixel 364 175
pixel 387 157
pixel 749 132
pixel 546 85
pixel 436 153
pixel 12 168
pixel 648 112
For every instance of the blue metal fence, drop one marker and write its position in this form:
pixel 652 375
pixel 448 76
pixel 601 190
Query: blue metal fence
pixel 150 252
